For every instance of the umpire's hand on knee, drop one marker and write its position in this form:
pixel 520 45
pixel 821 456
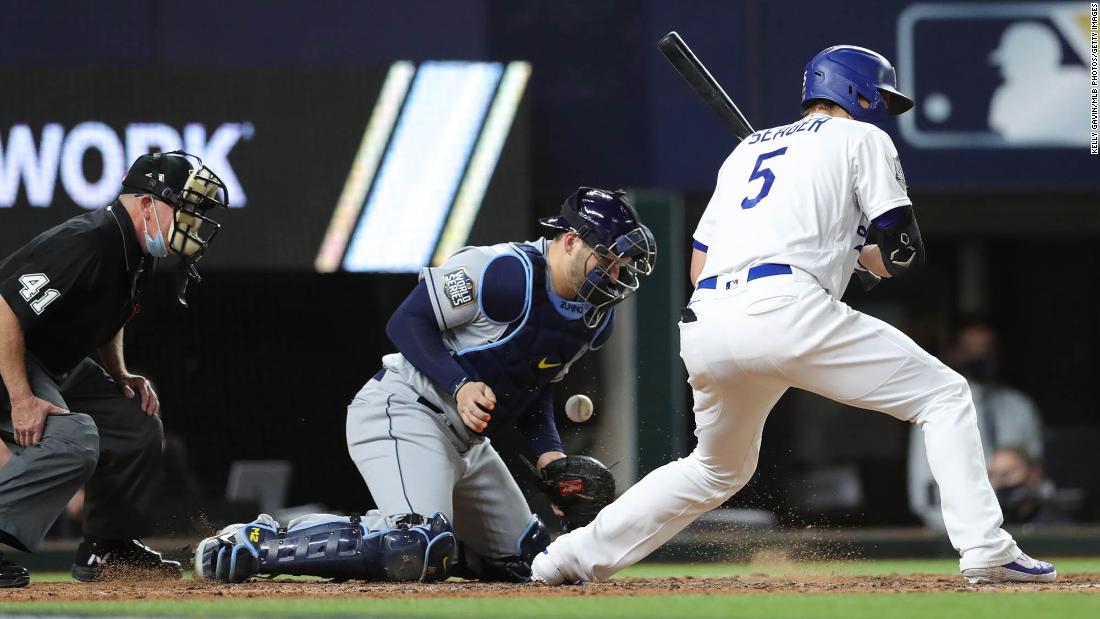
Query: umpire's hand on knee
pixel 132 384
pixel 474 401
pixel 28 418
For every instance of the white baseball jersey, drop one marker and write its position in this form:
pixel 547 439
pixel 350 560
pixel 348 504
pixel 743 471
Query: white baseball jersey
pixel 802 195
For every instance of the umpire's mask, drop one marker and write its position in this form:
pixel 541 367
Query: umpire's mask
pixel 192 190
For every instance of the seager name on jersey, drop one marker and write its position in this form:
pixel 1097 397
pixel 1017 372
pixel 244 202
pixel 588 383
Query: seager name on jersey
pixel 810 124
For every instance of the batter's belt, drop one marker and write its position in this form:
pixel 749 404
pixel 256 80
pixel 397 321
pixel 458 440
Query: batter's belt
pixel 761 270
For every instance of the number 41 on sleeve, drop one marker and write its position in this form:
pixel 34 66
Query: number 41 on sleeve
pixel 32 285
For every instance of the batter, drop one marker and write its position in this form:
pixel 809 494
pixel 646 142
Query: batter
pixel 796 209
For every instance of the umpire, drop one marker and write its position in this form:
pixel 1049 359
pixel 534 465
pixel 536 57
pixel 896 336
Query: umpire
pixel 68 420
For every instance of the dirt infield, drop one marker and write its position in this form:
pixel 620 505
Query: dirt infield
pixel 736 585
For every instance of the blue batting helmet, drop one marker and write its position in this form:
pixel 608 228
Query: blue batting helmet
pixel 607 223
pixel 844 73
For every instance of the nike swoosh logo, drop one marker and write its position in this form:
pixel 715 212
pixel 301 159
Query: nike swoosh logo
pixel 543 365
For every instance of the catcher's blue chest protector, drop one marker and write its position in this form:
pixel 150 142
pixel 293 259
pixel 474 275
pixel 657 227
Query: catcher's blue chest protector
pixel 520 365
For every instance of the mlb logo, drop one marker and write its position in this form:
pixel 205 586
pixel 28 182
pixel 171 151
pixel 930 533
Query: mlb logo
pixel 995 76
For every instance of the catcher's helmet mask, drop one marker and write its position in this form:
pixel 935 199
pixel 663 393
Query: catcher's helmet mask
pixel 609 225
pixel 844 74
pixel 191 190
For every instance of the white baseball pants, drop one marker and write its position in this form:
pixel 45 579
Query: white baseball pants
pixel 750 343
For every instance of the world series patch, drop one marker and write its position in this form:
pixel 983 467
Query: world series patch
pixel 459 288
pixel 899 174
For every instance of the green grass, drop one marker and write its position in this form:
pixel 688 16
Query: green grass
pixel 716 570
pixel 968 604
pixel 849 568
pixel 765 606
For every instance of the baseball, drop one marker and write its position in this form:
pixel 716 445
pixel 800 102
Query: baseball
pixel 578 408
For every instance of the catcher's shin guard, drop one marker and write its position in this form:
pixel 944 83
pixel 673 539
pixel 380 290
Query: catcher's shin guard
pixel 211 553
pixel 441 550
pixel 413 548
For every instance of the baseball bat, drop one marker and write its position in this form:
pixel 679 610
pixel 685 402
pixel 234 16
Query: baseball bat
pixel 688 65
pixel 690 68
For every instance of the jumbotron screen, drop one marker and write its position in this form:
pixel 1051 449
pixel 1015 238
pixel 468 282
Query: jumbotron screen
pixel 333 169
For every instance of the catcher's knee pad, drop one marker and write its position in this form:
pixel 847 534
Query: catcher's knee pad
pixel 413 548
pixel 441 551
pixel 416 548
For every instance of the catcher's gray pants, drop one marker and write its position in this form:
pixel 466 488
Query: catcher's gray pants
pixel 413 462
pixel 106 443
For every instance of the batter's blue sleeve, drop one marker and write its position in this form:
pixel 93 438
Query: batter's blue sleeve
pixel 538 427
pixel 891 217
pixel 503 289
pixel 415 333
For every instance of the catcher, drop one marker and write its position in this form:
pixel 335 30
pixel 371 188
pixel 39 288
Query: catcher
pixel 480 341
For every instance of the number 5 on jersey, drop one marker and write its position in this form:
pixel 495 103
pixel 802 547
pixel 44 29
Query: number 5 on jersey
pixel 32 284
pixel 766 174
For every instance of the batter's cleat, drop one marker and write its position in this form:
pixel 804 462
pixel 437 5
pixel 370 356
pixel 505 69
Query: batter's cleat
pixel 105 559
pixel 12 574
pixel 544 571
pixel 1023 569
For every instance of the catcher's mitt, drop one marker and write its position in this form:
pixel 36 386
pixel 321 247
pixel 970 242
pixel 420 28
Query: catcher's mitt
pixel 580 486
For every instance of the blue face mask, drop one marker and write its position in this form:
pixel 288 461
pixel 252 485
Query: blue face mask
pixel 156 246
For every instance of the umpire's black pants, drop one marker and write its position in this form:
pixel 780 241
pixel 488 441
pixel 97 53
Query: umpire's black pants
pixel 106 444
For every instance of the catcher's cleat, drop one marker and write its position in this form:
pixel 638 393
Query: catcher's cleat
pixel 206 557
pixel 225 556
pixel 207 551
pixel 101 559
pixel 1023 569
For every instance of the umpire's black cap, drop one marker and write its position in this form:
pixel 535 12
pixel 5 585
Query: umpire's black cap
pixel 154 173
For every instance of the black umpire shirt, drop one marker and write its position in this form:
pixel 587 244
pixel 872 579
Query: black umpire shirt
pixel 74 286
